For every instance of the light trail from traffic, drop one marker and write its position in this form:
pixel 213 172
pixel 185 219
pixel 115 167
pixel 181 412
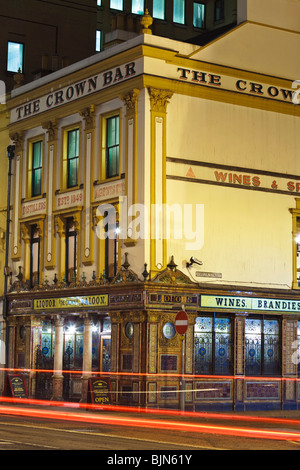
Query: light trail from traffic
pixel 170 425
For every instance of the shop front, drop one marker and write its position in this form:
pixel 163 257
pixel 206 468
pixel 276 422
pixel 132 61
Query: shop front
pixel 239 350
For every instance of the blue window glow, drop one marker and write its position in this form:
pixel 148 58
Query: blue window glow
pixel 199 15
pixel 179 11
pixel 15 57
pixel 159 9
pixel 116 4
pixel 138 7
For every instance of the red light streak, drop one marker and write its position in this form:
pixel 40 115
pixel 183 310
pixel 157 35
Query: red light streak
pixel 145 374
pixel 149 423
pixel 151 411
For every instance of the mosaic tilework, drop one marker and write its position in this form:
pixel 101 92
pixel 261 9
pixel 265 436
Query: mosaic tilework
pixel 213 390
pixel 263 390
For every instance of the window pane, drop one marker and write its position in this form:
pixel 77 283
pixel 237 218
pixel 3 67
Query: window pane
pixel 116 4
pixel 253 345
pixel 159 9
pixel 14 57
pixel 98 40
pixel 203 345
pixel 138 7
pixel 112 151
pixel 271 347
pixel 223 349
pixel 73 141
pixel 179 11
pixel 34 256
pixel 219 10
pixel 37 159
pixel 199 15
pixel 73 158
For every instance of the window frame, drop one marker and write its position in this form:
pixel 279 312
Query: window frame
pixel 184 13
pixel 114 8
pixel 34 241
pixel 64 162
pixel 34 169
pixel 70 234
pixel 136 12
pixel 164 10
pixel 262 372
pixel 72 159
pixel 222 9
pixel 212 363
pixel 204 15
pixel 104 173
pixel 23 55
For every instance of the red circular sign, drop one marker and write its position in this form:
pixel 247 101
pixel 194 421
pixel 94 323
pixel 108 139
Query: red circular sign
pixel 181 322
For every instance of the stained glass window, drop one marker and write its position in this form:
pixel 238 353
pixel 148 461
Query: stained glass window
pixel 73 345
pixel 47 340
pixel 262 347
pixel 213 345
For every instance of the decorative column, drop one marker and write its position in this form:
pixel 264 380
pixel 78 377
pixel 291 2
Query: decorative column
pixel 57 393
pixel 18 141
pixel 87 358
pixel 158 102
pixel 289 363
pixel 131 102
pixel 239 363
pixel 51 128
pixel 88 115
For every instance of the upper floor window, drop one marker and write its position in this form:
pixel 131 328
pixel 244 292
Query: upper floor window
pixel 159 9
pixel 116 4
pixel 199 15
pixel 98 40
pixel 179 11
pixel 219 10
pixel 138 7
pixel 71 250
pixel 262 346
pixel 72 158
pixel 15 57
pixel 34 256
pixel 37 168
pixel 112 146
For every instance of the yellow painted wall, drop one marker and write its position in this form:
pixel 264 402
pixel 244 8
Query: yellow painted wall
pixel 247 232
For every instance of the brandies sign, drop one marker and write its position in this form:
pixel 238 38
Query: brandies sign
pixel 226 302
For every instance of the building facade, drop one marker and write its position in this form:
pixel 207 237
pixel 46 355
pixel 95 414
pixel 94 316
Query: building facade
pixel 153 177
